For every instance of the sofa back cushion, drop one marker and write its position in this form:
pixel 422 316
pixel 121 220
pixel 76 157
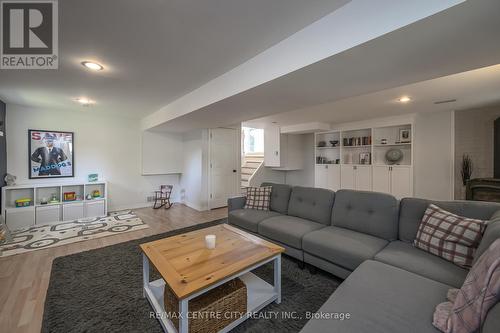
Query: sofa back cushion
pixel 371 213
pixel 412 211
pixel 280 196
pixel 310 203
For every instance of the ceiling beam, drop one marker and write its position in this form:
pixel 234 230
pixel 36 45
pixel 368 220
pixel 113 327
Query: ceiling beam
pixel 357 22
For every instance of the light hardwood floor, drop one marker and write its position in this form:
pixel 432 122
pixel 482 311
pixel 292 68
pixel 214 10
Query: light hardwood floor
pixel 24 278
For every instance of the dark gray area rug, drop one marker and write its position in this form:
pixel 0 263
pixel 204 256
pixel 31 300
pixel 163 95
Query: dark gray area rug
pixel 101 291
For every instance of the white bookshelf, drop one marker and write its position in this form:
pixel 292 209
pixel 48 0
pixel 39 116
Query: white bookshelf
pixel 359 160
pixel 52 212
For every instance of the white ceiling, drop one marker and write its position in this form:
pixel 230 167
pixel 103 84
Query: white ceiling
pixel 470 89
pixel 154 51
pixel 459 39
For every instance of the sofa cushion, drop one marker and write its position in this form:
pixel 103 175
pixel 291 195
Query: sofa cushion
pixel 280 196
pixel 492 322
pixel 288 230
pixel 310 203
pixel 249 218
pixel 343 247
pixel 491 234
pixel 372 213
pixel 237 202
pixel 380 299
pixel 412 211
pixel 407 257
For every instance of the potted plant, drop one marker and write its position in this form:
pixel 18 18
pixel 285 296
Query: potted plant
pixel 467 168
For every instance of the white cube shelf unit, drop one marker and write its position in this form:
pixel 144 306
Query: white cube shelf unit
pixel 355 158
pixel 52 211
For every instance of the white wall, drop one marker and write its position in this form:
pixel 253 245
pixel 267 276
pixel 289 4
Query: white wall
pixel 194 178
pixel 266 174
pixel 109 146
pixel 434 149
pixel 168 162
pixel 304 177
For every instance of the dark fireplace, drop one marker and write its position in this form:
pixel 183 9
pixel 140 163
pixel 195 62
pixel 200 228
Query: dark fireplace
pixel 483 189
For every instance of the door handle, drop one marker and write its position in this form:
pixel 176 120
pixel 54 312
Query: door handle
pixel 234 170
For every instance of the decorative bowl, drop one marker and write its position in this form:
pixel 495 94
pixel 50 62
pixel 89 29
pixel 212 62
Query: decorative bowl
pixel 394 155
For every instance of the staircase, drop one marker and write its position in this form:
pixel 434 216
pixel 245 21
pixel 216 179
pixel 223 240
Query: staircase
pixel 250 164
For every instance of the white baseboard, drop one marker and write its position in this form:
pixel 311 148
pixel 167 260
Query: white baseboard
pixel 133 206
pixel 194 206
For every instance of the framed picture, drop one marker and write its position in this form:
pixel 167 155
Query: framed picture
pixel 365 158
pixel 50 154
pixel 405 135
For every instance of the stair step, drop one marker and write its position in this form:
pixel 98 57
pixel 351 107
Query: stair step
pixel 245 177
pixel 252 163
pixel 251 167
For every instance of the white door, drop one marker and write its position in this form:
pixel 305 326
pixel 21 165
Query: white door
pixel 321 176
pixel 333 177
pixel 381 179
pixel 347 177
pixel 272 156
pixel 401 181
pixel 224 158
pixel 363 176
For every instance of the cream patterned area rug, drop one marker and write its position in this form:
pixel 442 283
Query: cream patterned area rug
pixel 50 235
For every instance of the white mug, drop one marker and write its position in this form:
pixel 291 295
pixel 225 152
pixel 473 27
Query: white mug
pixel 210 241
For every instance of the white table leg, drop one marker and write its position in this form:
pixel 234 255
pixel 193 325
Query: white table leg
pixel 145 274
pixel 277 278
pixel 183 312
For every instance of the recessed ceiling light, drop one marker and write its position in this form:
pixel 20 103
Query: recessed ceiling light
pixel 85 101
pixel 404 99
pixel 93 65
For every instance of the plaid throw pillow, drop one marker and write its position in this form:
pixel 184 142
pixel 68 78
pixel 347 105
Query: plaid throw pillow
pixel 258 198
pixel 452 237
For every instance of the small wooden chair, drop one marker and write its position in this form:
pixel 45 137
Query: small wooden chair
pixel 162 197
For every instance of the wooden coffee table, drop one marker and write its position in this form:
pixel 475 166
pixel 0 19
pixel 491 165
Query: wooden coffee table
pixel 190 269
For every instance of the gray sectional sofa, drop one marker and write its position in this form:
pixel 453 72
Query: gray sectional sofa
pixel 366 238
